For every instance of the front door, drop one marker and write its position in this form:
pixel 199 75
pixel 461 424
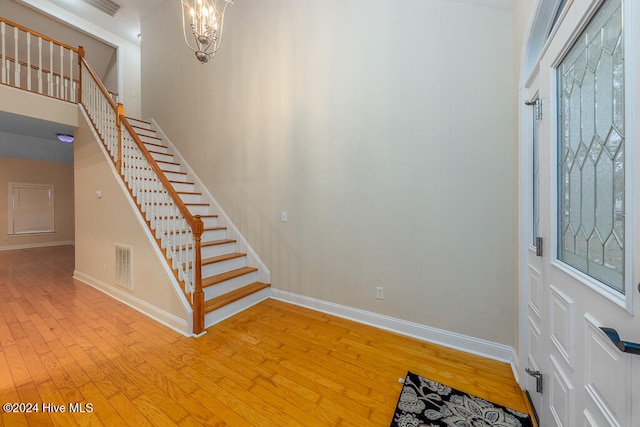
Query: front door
pixel 581 290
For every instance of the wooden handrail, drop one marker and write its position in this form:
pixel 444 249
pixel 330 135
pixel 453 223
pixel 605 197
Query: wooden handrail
pixel 103 89
pixel 37 34
pixel 35 67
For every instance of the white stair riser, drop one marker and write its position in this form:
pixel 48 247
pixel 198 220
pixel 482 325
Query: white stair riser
pixel 217 250
pixel 139 123
pixel 172 176
pixel 151 139
pixel 235 307
pixel 145 132
pixel 150 146
pixel 198 209
pixel 179 186
pixel 161 157
pixel 223 266
pixel 213 235
pixel 210 221
pixel 191 198
pixel 169 167
pixel 229 285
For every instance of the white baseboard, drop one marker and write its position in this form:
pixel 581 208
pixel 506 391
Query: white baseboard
pixel 454 340
pixel 172 321
pixel 35 245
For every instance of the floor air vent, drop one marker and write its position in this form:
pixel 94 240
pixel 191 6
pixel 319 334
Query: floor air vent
pixel 124 266
pixel 109 7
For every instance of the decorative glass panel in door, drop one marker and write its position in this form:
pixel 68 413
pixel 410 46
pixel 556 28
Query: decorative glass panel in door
pixel 591 150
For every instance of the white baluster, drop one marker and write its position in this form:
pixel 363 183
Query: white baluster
pixel 50 74
pixel 60 80
pixel 16 66
pixel 28 61
pixel 4 53
pixel 39 64
pixel 71 92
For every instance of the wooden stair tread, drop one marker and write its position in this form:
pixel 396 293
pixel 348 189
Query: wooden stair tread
pixel 216 242
pixel 159 152
pixel 181 182
pixel 151 143
pixel 221 258
pixel 228 298
pixel 138 120
pixel 136 128
pixel 167 163
pixel 227 275
pixel 207 244
pixel 150 136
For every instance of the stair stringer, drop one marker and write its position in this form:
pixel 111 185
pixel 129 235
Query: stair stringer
pixel 253 260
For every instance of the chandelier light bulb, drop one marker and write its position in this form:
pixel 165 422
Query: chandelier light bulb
pixel 203 34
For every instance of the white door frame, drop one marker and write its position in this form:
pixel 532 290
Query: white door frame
pixel 534 48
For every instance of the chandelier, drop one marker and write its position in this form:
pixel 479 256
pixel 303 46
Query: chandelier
pixel 205 20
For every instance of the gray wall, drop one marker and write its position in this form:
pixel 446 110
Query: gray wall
pixel 386 130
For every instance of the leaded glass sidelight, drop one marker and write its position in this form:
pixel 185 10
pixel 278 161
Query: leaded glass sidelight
pixel 591 150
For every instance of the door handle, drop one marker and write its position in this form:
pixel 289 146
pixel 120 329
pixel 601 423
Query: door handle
pixel 624 346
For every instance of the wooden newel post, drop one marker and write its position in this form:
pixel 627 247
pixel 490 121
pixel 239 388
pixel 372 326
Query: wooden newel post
pixel 198 295
pixel 119 116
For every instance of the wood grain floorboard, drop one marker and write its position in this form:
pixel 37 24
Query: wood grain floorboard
pixel 275 364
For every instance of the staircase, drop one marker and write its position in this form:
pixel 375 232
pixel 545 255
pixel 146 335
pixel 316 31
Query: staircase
pixel 229 283
pixel 207 258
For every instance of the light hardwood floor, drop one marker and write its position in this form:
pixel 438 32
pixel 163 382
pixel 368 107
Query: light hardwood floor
pixel 276 364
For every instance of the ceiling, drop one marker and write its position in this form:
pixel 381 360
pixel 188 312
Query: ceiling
pixel 34 128
pixel 124 24
pixel 29 138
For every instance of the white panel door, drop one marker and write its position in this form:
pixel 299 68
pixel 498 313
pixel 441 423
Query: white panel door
pixel 534 274
pixel 587 278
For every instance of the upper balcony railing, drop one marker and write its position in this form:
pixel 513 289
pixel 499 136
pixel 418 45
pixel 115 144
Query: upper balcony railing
pixel 37 63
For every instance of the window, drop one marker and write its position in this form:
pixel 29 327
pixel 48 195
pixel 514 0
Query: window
pixel 30 208
pixel 591 150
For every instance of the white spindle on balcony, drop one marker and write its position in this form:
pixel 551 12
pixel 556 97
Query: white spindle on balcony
pixel 24 59
pixel 16 70
pixel 28 61
pixel 3 34
pixel 39 64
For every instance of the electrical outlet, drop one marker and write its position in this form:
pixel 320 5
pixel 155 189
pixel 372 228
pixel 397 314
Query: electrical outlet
pixel 380 292
pixel 285 216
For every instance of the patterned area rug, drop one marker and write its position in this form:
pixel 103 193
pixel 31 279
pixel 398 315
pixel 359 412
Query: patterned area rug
pixel 426 403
